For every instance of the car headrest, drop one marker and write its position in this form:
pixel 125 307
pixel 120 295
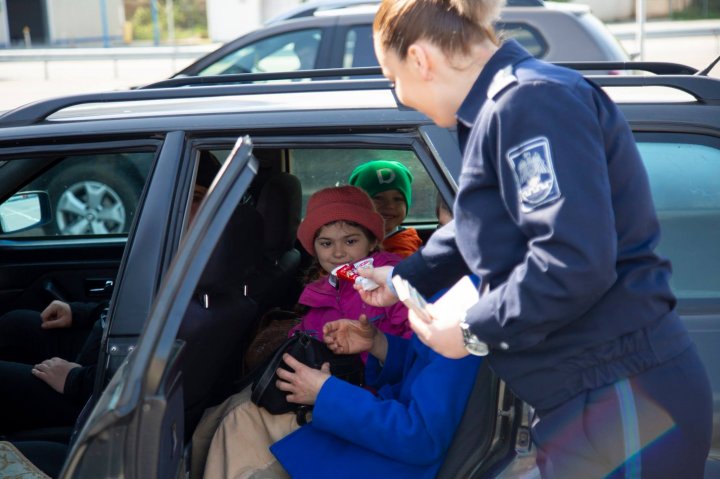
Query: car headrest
pixel 236 254
pixel 279 203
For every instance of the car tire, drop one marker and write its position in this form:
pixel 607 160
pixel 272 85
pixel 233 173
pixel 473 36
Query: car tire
pixel 91 201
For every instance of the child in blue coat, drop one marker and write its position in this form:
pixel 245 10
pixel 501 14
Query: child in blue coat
pixel 403 430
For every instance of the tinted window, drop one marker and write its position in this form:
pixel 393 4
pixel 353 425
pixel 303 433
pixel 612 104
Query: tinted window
pixel 285 52
pixel 527 36
pixel 90 194
pixel 320 168
pixel 359 50
pixel 685 182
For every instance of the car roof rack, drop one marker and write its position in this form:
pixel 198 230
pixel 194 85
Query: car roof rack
pixel 658 68
pixel 702 88
pixel 669 75
pixel 255 77
pixel 37 112
pixel 525 3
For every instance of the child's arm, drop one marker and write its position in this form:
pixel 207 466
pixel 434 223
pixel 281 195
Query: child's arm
pixel 347 336
pixel 417 430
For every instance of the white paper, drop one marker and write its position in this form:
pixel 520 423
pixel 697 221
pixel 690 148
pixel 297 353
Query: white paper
pixel 458 299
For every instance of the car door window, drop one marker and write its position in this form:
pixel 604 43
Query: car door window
pixel 320 168
pixel 685 181
pixel 89 194
pixel 284 52
pixel 359 50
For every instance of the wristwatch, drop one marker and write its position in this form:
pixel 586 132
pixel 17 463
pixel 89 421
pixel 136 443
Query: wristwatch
pixel 472 344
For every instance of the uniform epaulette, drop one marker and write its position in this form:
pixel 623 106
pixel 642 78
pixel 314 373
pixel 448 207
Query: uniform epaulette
pixel 502 79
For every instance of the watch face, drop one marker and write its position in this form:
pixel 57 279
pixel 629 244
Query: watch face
pixel 477 348
pixel 472 344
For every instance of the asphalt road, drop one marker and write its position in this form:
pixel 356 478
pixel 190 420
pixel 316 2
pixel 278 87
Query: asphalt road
pixel 25 82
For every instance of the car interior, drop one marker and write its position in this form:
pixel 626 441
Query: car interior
pixel 257 266
pixel 259 251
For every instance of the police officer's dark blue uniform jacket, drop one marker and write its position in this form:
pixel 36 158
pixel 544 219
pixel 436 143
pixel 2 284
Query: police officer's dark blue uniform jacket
pixel 554 213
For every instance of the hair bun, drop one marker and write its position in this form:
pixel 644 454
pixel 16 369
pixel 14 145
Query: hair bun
pixel 480 12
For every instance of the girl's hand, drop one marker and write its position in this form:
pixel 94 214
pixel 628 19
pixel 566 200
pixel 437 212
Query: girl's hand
pixel 304 384
pixel 347 336
pixel 381 296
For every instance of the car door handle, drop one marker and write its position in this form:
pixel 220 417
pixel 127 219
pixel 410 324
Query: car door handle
pixel 99 287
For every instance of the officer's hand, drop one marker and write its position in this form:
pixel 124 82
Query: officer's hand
pixel 381 296
pixel 304 384
pixel 54 371
pixel 442 334
pixel 57 315
pixel 348 336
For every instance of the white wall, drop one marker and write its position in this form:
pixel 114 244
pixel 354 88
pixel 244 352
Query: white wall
pixel 624 10
pixel 228 19
pixel 80 21
pixel 610 10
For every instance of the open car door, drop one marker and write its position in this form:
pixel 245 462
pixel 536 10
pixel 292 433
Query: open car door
pixel 139 426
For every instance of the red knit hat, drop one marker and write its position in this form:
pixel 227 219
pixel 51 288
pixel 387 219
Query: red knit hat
pixel 341 203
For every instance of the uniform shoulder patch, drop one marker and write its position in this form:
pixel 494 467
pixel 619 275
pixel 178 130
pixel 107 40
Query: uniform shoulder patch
pixel 534 175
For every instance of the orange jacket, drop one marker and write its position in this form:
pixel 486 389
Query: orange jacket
pixel 404 242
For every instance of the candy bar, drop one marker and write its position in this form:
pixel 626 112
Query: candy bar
pixel 349 272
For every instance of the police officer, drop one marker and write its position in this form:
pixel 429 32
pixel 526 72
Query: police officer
pixel 554 213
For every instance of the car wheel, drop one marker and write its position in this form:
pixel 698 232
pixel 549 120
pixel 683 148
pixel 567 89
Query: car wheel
pixel 91 201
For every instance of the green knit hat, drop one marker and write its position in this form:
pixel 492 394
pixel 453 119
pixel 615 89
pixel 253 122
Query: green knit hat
pixel 381 175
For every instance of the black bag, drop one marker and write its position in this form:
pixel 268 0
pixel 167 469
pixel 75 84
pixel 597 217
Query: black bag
pixel 312 352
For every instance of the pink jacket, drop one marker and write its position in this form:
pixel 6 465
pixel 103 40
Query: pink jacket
pixel 329 304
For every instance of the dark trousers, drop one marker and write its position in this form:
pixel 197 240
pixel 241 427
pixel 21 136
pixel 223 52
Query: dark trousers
pixel 657 424
pixel 22 340
pixel 27 402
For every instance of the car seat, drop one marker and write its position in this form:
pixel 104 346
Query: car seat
pixel 220 315
pixel 276 282
pixel 474 435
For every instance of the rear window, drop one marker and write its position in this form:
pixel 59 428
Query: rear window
pixel 359 50
pixel 684 174
pixel 320 168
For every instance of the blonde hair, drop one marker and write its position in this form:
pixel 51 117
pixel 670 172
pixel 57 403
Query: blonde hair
pixel 453 25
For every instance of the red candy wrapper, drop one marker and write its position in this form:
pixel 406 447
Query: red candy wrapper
pixel 349 272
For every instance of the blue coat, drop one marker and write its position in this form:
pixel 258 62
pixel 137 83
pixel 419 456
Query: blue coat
pixel 402 432
pixel 554 213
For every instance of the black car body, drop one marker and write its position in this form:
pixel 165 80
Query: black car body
pixel 159 371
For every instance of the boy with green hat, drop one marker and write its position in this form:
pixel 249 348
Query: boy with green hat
pixel 389 184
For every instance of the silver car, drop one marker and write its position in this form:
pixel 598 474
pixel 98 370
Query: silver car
pixel 338 34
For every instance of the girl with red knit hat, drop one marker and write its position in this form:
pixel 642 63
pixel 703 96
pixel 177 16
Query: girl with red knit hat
pixel 402 427
pixel 340 227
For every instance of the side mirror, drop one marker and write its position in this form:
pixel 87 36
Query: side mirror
pixel 24 211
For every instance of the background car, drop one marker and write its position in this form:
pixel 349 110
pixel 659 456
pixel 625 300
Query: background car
pixel 338 34
pixel 99 194
pixel 173 342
